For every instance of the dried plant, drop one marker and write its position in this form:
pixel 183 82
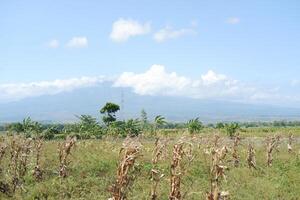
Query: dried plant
pixel 20 149
pixel 3 148
pixel 251 157
pixel 25 151
pixel 272 144
pixel 64 152
pixel 38 173
pixel 176 171
pixel 235 153
pixel 126 168
pixel 216 140
pixel 156 175
pixel 289 146
pixel 4 187
pixel 182 149
pixel 217 172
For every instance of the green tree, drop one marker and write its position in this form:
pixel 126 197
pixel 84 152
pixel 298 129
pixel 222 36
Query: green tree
pixel 231 129
pixel 220 125
pixel 144 119
pixel 27 127
pixel 109 110
pixel 88 126
pixel 159 121
pixel 50 132
pixel 132 127
pixel 15 127
pixel 194 126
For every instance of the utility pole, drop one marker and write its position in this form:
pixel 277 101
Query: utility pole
pixel 122 106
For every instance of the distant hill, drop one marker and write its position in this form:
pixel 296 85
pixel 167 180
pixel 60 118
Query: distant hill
pixel 64 106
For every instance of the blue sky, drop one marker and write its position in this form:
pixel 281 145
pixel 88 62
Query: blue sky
pixel 253 42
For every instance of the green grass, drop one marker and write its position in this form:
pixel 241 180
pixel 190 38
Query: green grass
pixel 94 163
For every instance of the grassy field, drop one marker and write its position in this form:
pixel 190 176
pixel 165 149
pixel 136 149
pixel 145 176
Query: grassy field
pixel 94 163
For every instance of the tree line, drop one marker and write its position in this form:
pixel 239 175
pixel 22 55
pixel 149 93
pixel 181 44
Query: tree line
pixel 89 127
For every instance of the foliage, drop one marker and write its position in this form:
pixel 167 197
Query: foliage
pixel 194 126
pixel 116 128
pixel 159 121
pixel 88 127
pixel 220 125
pixel 28 127
pixel 130 127
pixel 109 109
pixel 144 119
pixel 231 129
pixel 50 132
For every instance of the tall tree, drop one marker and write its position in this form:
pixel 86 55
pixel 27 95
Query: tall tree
pixel 144 118
pixel 109 110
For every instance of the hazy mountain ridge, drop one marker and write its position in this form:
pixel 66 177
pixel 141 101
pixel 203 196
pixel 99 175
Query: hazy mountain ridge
pixel 64 106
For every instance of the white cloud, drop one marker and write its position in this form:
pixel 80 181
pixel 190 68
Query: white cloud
pixel 53 44
pixel 233 20
pixel 16 91
pixel 157 81
pixel 78 42
pixel 123 29
pixel 168 32
pixel 154 81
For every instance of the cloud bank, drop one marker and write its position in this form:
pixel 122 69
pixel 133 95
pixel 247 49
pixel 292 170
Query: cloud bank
pixel 17 91
pixel 123 29
pixel 156 81
pixel 211 85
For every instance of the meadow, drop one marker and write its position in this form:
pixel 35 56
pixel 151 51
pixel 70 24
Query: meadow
pixel 178 165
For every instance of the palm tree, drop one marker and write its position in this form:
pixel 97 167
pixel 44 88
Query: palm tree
pixel 194 125
pixel 159 121
pixel 27 124
pixel 132 127
pixel 231 129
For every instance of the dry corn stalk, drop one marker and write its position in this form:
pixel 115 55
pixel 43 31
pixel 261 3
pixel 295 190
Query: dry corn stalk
pixel 25 151
pixel 272 143
pixel 64 151
pixel 251 157
pixel 216 141
pixel 19 152
pixel 176 172
pixel 15 151
pixel 235 153
pixel 289 146
pixel 156 175
pixel 38 173
pixel 217 173
pixel 4 187
pixel 3 148
pixel 182 157
pixel 128 155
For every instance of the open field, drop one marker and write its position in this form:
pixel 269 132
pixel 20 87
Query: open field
pixel 92 168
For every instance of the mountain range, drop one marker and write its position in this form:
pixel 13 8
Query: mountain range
pixel 63 107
